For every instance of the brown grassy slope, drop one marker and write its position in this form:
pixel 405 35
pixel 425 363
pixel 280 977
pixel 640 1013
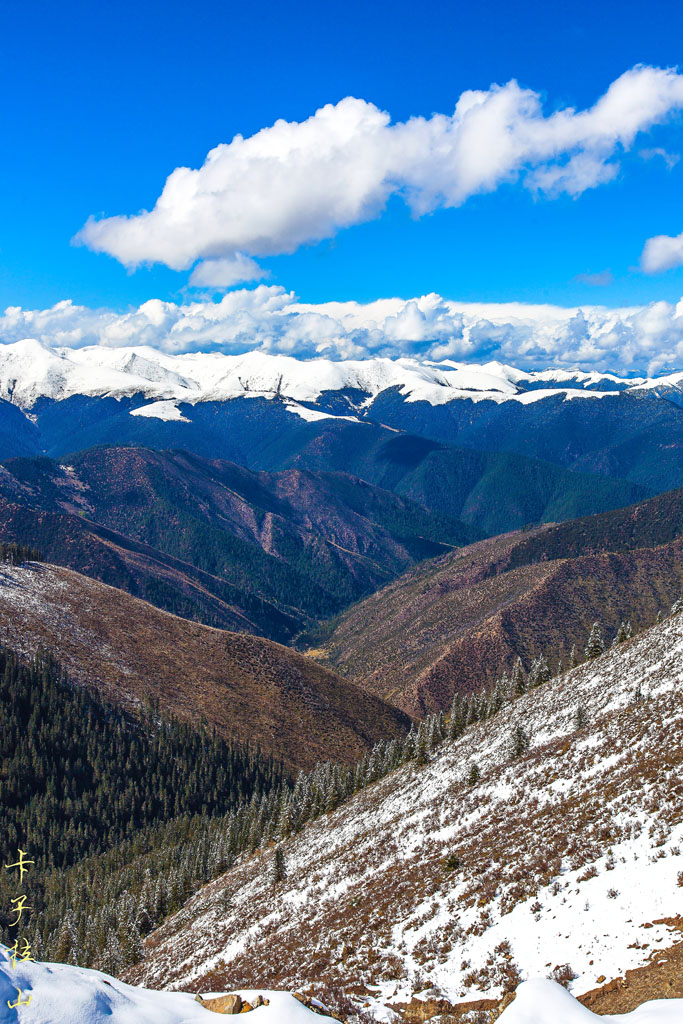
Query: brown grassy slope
pixel 246 686
pixel 455 623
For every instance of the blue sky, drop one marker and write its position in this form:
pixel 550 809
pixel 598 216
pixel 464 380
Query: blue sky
pixel 103 101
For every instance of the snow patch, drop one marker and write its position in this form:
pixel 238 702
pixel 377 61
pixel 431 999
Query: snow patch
pixel 540 1001
pixel 168 411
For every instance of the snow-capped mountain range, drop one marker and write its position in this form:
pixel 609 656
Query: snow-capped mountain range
pixel 29 371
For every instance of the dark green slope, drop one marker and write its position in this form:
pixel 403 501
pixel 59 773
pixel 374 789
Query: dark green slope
pixel 303 544
pixel 636 436
pixel 491 491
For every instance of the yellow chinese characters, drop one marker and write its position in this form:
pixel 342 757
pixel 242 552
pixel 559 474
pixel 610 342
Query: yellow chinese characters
pixel 20 1001
pixel 21 950
pixel 19 955
pixel 20 864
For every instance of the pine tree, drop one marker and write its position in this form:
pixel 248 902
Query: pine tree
pixel 595 645
pixel 520 740
pixel 457 719
pixel 277 871
pixel 580 717
pixel 519 682
pixel 623 634
pixel 473 775
pixel 421 752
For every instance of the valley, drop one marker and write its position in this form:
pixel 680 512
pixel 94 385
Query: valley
pixel 366 608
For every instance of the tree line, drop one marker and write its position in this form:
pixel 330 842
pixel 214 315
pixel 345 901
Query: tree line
pixel 17 554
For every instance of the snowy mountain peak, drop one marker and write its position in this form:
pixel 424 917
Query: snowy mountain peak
pixel 30 371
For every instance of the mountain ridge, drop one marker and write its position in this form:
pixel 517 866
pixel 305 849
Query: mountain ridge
pixel 454 622
pixel 432 881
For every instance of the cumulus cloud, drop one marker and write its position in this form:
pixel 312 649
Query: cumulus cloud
pixel 640 339
pixel 663 252
pixel 300 182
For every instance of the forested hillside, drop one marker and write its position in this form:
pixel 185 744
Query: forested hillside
pixel 432 878
pixel 248 688
pixel 270 553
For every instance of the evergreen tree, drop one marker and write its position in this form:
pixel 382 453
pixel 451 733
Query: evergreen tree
pixel 421 752
pixel 458 717
pixel 520 741
pixel 277 871
pixel 595 645
pixel 622 634
pixel 519 682
pixel 580 717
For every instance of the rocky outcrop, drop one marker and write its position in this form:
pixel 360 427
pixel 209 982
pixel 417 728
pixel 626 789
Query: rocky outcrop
pixel 230 1003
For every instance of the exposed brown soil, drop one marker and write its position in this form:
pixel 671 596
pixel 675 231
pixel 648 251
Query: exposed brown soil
pixel 661 978
pixel 245 686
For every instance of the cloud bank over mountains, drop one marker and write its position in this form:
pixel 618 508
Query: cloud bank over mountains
pixel 296 183
pixel 636 340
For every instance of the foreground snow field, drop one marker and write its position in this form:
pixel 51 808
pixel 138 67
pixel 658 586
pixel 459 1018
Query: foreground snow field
pixel 61 994
pixel 545 1002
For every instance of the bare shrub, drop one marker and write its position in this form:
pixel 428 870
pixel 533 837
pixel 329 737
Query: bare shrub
pixel 563 975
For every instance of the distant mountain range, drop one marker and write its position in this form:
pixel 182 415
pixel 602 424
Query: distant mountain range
pixel 273 553
pixel 267 553
pixel 263 411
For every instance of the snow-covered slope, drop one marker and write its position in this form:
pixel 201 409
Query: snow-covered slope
pixel 568 855
pixel 61 994
pixel 544 1002
pixel 30 371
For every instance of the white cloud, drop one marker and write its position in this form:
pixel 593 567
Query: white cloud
pixel 662 252
pixel 640 339
pixel 300 182
pixel 224 273
pixel 670 159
